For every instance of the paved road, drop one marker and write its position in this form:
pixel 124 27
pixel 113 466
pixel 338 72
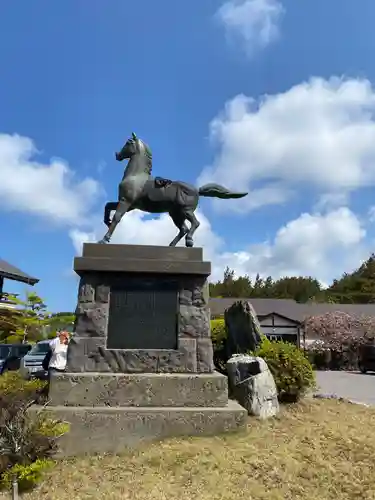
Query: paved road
pixel 350 385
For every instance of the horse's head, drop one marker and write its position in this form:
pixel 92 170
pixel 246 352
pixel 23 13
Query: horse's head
pixel 133 146
pixel 130 148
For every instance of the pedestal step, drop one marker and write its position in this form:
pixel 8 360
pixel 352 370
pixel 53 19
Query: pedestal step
pixel 114 429
pixel 140 390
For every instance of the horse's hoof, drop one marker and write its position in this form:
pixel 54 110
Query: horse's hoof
pixel 189 242
pixel 103 242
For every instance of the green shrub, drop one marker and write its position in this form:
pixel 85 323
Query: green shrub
pixel 218 336
pixel 291 369
pixel 15 388
pixel 12 382
pixel 52 428
pixel 218 331
pixel 28 439
pixel 28 476
pixel 14 339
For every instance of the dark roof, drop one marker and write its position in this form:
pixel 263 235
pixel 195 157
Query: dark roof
pixel 285 307
pixel 13 273
pixel 290 308
pixel 316 309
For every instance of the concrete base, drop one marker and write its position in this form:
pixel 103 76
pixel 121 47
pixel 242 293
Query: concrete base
pixel 115 429
pixel 110 412
pixel 144 389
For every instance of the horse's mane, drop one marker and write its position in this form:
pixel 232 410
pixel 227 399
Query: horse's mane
pixel 145 149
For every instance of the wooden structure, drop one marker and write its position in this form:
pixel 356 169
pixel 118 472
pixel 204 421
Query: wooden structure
pixel 278 327
pixel 7 306
pixel 7 271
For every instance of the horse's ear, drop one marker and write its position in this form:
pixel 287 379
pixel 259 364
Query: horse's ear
pixel 134 137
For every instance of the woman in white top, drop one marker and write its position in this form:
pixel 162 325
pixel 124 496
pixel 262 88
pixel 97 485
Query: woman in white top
pixel 59 352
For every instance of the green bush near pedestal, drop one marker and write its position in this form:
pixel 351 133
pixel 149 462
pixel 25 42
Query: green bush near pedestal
pixel 218 336
pixel 292 371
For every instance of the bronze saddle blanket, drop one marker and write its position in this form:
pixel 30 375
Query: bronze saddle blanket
pixel 160 190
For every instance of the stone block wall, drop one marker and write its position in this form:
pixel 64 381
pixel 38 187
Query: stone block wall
pixel 88 352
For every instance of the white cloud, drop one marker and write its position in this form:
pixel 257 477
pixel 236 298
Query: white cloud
pixel 47 190
pixel 318 135
pixel 323 246
pixel 315 242
pixel 255 23
pixel 329 201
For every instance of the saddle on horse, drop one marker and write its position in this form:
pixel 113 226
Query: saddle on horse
pixel 160 182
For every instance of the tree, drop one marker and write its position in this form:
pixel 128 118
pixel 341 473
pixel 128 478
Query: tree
pixel 357 287
pixel 258 287
pixel 59 321
pixel 269 287
pixel 240 287
pixel 340 326
pixel 301 289
pixel 26 322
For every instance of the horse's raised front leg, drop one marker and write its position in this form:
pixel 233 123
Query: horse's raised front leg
pixel 122 207
pixel 109 207
pixel 189 242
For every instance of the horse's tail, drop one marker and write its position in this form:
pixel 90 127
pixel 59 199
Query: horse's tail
pixel 217 191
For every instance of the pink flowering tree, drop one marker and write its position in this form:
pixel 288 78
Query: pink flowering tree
pixel 342 335
pixel 338 328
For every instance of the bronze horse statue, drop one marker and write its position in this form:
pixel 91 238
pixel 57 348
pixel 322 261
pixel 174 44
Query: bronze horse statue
pixel 139 191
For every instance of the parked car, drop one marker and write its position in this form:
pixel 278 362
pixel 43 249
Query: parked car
pixel 32 363
pixel 366 359
pixel 11 356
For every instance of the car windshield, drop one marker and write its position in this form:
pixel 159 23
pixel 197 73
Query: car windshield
pixel 41 348
pixel 20 350
pixel 4 351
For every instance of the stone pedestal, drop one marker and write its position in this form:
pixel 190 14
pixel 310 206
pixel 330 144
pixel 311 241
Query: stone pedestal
pixel 140 365
pixel 163 289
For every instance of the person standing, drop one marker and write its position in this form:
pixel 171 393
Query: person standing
pixel 59 353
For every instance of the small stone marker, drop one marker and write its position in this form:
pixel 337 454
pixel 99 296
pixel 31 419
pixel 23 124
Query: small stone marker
pixel 252 385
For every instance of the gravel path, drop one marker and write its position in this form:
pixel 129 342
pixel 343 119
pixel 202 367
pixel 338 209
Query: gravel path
pixel 355 386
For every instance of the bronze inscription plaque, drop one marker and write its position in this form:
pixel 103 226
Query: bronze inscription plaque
pixel 143 317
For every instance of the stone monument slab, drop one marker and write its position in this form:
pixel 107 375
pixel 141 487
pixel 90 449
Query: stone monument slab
pixel 243 328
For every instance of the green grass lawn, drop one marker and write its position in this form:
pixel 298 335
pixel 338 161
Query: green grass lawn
pixel 315 450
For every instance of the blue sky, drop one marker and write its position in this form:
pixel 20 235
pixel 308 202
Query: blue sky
pixel 273 96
